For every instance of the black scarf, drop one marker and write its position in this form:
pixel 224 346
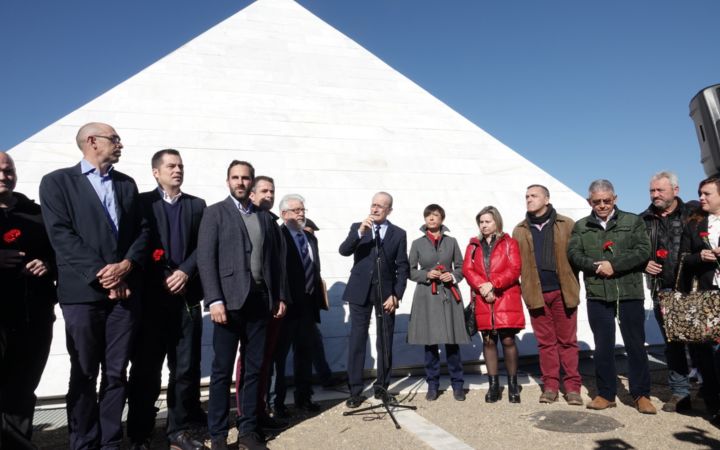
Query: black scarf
pixel 547 260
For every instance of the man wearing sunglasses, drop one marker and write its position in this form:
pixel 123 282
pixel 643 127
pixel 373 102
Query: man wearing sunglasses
pixel 612 248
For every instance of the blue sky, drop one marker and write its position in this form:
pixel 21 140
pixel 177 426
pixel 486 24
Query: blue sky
pixel 583 89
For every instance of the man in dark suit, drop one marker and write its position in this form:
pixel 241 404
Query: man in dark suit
pixel 238 261
pixel 171 323
pixel 302 266
pixel 27 308
pixel 93 219
pixel 374 235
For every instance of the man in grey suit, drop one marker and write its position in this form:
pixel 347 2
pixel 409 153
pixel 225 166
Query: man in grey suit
pixel 239 262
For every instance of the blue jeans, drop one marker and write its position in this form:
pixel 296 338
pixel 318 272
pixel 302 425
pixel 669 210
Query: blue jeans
pixel 675 357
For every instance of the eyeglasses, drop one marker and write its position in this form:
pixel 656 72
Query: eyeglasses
pixel 297 210
pixel 115 139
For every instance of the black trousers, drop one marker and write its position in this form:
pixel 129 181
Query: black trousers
pixel 168 328
pixel 296 332
pixel 359 323
pixel 601 315
pixel 24 349
pixel 246 326
pixel 99 335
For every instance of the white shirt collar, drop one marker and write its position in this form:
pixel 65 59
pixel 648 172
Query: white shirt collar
pixel 167 198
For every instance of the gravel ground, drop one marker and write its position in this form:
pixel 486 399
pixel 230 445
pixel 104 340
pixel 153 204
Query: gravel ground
pixel 488 426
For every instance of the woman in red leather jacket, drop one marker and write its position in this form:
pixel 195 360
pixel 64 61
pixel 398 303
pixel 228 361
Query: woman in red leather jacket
pixel 492 269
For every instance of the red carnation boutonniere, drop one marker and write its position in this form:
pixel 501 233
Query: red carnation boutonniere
pixel 608 246
pixel 158 254
pixel 11 236
pixel 662 254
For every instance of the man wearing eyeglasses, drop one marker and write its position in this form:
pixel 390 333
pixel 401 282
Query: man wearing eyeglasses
pixel 612 248
pixel 372 241
pixel 302 266
pixel 93 218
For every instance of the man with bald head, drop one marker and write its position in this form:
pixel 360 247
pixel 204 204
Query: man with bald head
pixel 93 218
pixel 26 309
pixel 374 242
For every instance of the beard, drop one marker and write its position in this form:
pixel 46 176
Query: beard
pixel 661 204
pixel 240 196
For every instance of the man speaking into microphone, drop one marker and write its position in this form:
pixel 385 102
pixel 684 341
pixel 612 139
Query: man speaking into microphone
pixel 378 278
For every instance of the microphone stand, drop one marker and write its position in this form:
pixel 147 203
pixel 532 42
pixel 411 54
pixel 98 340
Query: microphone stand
pixel 387 400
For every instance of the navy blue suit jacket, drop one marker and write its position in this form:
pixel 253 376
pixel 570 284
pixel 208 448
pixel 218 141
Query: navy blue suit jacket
pixel 158 271
pixel 394 267
pixel 295 272
pixel 82 236
pixel 223 256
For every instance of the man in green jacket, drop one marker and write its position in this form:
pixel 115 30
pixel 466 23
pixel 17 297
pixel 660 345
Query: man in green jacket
pixel 611 248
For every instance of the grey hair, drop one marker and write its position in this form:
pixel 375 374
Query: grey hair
pixel 288 198
pixel 390 197
pixel 601 185
pixel 671 177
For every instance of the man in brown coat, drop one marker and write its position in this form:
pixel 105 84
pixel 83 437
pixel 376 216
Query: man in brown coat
pixel 550 289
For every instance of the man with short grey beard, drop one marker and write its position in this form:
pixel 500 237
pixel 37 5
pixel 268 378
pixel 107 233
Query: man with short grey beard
pixel 664 220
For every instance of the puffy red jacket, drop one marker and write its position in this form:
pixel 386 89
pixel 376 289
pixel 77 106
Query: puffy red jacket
pixel 507 310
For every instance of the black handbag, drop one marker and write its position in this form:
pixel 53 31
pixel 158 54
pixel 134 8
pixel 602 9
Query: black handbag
pixel 470 322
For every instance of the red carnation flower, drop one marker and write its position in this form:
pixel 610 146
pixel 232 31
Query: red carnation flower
pixel 608 245
pixel 158 254
pixel 662 253
pixel 11 236
pixel 703 234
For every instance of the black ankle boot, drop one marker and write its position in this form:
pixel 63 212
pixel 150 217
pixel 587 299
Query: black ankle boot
pixel 513 389
pixel 493 393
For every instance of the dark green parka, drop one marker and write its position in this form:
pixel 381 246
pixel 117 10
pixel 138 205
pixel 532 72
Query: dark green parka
pixel 624 243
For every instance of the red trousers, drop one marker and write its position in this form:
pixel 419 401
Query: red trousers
pixel 555 328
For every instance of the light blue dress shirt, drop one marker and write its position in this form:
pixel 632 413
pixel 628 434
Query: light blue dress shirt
pixel 104 189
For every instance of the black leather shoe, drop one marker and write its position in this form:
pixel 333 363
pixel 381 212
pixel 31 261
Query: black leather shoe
pixel 389 398
pixel 459 395
pixel 268 423
pixel 378 393
pixel 281 412
pixel 140 445
pixel 334 381
pixel 251 441
pixel 219 444
pixel 432 395
pixel 183 441
pixel 307 405
pixel 354 401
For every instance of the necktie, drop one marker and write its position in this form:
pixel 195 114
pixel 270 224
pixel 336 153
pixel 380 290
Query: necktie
pixel 307 263
pixel 378 239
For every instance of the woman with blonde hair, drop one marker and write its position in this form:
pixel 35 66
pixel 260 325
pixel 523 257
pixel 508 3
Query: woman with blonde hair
pixel 492 269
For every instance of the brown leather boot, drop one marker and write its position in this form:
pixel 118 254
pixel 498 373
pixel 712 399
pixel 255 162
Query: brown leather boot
pixel 599 403
pixel 644 405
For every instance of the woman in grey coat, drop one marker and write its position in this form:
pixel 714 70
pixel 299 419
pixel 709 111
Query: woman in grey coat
pixel 437 309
